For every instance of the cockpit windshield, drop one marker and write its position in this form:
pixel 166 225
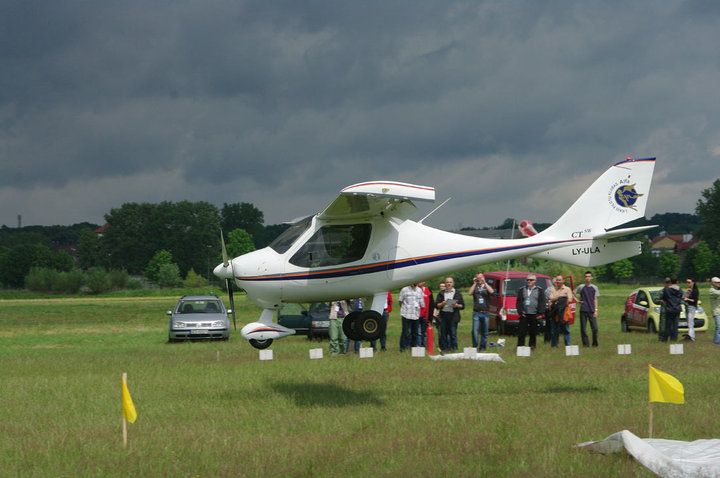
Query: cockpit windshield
pixel 332 245
pixel 283 242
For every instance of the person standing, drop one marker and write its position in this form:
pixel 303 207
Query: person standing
pixel 425 313
pixel 588 293
pixel 450 302
pixel 671 299
pixel 338 311
pixel 715 306
pixel 560 298
pixel 411 299
pixel 480 292
pixel 530 305
pixel 692 295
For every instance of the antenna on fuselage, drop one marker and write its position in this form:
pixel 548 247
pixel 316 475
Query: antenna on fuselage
pixel 428 214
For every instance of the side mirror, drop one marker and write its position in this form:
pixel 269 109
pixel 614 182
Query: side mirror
pixel 643 303
pixel 229 311
pixel 304 313
pixel 169 312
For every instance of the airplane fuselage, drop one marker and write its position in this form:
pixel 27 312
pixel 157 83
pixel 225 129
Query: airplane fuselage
pixel 398 253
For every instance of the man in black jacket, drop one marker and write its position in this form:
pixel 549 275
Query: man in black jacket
pixel 449 302
pixel 671 299
pixel 531 305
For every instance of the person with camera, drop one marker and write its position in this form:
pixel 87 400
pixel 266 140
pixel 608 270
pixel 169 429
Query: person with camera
pixel 480 292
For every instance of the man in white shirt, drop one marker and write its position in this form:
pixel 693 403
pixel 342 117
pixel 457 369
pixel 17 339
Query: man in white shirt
pixel 411 300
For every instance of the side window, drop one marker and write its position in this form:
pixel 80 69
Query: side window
pixel 641 296
pixel 493 283
pixel 332 245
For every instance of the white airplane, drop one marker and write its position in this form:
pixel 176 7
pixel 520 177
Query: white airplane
pixel 364 244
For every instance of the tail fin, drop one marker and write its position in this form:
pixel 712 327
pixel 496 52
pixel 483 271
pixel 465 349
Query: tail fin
pixel 619 196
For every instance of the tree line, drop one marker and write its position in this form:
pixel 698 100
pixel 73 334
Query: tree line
pixel 137 236
pixel 169 241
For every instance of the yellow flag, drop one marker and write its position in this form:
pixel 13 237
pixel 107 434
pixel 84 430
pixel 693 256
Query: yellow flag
pixel 665 388
pixel 128 408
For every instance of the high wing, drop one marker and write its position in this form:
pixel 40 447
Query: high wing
pixel 390 199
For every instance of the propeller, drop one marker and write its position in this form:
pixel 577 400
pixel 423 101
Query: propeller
pixel 228 283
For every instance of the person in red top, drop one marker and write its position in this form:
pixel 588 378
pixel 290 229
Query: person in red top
pixel 386 315
pixel 426 311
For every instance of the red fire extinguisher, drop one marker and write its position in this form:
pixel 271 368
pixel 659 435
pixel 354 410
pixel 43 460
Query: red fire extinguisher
pixel 430 338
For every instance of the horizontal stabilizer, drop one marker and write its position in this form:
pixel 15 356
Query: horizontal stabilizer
pixel 592 253
pixel 623 232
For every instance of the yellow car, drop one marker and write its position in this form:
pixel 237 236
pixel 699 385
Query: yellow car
pixel 642 311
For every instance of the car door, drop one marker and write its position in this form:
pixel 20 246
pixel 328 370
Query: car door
pixel 493 306
pixel 294 316
pixel 640 309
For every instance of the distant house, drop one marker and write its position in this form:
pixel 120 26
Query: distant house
pixel 675 243
pixel 101 230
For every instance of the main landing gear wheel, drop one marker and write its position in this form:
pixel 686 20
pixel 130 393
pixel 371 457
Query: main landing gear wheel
pixel 261 344
pixel 369 325
pixel 350 326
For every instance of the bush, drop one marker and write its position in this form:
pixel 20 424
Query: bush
pixel 118 278
pixel 97 280
pixel 69 282
pixel 169 275
pixel 193 279
pixel 134 284
pixel 41 279
pixel 152 271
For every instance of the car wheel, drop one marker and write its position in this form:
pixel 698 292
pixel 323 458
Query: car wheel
pixel 651 327
pixel 623 324
pixel 261 344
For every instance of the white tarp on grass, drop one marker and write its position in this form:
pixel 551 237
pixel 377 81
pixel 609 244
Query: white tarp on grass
pixel 667 458
pixel 462 356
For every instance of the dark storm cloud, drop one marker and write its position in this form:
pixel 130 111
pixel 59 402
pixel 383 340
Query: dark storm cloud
pixel 283 103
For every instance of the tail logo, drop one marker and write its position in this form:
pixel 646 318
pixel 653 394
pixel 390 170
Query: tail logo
pixel 624 197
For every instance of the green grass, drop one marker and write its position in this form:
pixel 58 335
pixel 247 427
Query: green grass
pixel 213 409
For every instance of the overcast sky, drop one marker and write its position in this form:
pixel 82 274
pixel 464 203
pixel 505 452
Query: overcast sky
pixel 512 108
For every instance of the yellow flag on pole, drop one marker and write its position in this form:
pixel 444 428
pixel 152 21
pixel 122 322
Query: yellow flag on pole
pixel 127 404
pixel 665 388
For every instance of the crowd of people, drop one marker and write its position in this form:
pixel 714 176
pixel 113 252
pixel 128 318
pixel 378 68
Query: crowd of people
pixel 673 299
pixel 420 309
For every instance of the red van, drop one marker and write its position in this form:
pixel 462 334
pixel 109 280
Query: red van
pixel 502 301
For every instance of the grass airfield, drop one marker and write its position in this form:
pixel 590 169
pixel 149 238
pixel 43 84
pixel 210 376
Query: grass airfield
pixel 213 409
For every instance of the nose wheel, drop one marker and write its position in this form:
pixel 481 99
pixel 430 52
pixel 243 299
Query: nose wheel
pixel 261 344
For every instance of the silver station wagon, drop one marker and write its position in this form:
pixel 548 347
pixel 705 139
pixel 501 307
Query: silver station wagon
pixel 199 317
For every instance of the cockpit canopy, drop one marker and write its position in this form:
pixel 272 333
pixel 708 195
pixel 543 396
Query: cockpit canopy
pixel 334 244
pixel 330 245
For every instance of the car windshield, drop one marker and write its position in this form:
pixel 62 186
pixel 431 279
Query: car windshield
pixel 332 245
pixel 319 308
pixel 209 306
pixel 513 284
pixel 655 295
pixel 283 242
pixel 291 309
